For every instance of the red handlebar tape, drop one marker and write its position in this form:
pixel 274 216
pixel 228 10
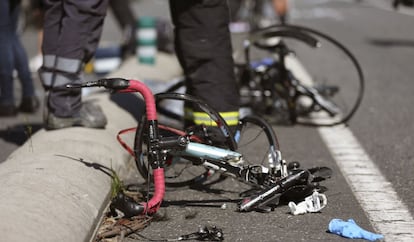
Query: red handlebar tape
pixel 137 86
pixel 155 202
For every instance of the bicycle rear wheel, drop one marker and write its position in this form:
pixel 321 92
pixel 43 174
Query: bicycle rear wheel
pixel 323 97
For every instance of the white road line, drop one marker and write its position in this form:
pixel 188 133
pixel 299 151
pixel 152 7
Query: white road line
pixel 388 215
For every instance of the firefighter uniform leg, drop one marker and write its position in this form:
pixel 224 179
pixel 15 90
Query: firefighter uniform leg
pixel 204 50
pixel 72 30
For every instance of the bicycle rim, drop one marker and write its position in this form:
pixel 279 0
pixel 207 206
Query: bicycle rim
pixel 257 141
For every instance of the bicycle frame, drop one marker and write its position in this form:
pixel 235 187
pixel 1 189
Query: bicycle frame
pixel 222 160
pixel 272 181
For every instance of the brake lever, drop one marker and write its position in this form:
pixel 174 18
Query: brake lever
pixel 114 84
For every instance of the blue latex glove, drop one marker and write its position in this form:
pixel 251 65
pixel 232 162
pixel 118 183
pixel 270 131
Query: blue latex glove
pixel 349 229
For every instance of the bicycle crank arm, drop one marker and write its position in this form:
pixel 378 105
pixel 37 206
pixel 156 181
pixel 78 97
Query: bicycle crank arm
pixel 270 195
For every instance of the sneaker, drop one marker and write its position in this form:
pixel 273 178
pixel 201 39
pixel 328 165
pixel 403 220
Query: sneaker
pixel 89 116
pixel 7 110
pixel 29 104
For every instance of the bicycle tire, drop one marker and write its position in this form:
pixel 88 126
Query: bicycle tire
pixel 175 176
pixel 258 142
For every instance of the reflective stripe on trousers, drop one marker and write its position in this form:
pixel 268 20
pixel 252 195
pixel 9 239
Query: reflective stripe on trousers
pixel 231 118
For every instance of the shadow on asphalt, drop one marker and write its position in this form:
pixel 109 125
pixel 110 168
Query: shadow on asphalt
pixel 20 133
pixel 212 203
pixel 392 42
pixel 130 103
pixel 144 189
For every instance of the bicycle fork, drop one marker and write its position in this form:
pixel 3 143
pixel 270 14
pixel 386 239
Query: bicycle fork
pixel 123 203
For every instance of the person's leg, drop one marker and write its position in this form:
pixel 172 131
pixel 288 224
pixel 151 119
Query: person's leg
pixel 30 102
pixel 75 27
pixel 125 18
pixel 7 106
pixel 203 47
pixel 234 6
pixel 22 67
pixel 281 8
pixel 71 34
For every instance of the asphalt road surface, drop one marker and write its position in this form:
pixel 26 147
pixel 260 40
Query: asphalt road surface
pixel 380 134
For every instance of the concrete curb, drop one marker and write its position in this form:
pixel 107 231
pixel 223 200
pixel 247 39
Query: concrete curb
pixel 54 187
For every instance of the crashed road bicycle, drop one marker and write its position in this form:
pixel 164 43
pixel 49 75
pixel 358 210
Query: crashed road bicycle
pixel 272 88
pixel 167 156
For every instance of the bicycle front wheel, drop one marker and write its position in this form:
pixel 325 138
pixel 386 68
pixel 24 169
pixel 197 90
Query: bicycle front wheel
pixel 258 143
pixel 178 171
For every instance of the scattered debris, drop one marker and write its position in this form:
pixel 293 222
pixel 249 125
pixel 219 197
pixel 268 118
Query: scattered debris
pixel 115 225
pixel 112 227
pixel 206 233
pixel 189 214
pixel 312 204
pixel 349 229
pixel 297 185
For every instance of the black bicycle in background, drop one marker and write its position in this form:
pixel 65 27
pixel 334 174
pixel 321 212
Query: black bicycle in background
pixel 275 84
pixel 279 88
pixel 407 3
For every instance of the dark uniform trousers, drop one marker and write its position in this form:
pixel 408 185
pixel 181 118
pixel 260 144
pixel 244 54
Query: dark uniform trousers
pixel 204 50
pixel 203 47
pixel 71 34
